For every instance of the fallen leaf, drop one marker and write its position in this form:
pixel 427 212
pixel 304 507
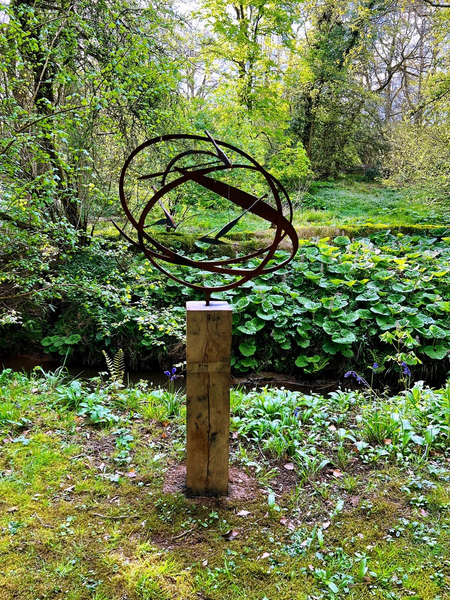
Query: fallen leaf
pixel 387 441
pixel 243 513
pixel 131 473
pixel 13 509
pixel 423 512
pixel 265 555
pixel 332 428
pixel 235 435
pixel 354 500
pixel 338 473
pixel 289 466
pixel 326 524
pixel 283 521
pixel 231 535
pixel 205 563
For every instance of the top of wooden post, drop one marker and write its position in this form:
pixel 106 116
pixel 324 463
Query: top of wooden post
pixel 200 305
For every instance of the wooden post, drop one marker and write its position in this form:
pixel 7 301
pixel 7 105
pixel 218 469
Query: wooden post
pixel 208 354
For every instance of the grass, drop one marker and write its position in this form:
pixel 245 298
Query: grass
pixel 349 204
pixel 333 512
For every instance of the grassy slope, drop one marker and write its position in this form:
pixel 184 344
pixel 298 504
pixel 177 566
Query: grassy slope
pixel 350 202
pixel 83 513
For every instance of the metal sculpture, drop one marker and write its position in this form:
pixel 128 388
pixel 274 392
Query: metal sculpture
pixel 180 169
pixel 208 326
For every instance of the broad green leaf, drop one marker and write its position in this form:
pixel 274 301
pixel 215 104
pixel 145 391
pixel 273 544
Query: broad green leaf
pixel 251 327
pixel 341 240
pixel 331 327
pixel 345 336
pixel 380 309
pixel 309 304
pixel 266 312
pixel 416 321
pixel 334 303
pixel 444 306
pixel 241 303
pixel 276 299
pixel 368 296
pixel 247 348
pixel 301 361
pixel 348 318
pixel 248 362
pixel 312 276
pixel 386 323
pixel 437 352
pixel 331 347
pixel 438 332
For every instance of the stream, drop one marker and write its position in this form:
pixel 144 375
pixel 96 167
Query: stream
pixel 158 379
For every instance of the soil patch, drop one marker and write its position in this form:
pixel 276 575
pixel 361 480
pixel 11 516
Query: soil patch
pixel 241 486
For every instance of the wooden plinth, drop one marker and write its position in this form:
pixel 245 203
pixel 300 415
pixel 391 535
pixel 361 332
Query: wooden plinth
pixel 208 355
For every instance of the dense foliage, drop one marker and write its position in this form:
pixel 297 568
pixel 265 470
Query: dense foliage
pixel 341 303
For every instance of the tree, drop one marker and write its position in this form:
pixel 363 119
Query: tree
pixel 80 82
pixel 249 36
pixel 331 105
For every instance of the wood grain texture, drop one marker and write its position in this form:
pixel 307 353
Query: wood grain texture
pixel 208 355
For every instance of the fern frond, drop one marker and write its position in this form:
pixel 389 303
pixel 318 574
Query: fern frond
pixel 119 366
pixel 116 366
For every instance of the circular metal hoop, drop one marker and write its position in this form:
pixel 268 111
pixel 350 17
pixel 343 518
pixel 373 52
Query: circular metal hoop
pixel 157 252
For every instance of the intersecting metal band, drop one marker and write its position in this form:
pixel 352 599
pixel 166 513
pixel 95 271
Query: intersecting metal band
pixel 156 251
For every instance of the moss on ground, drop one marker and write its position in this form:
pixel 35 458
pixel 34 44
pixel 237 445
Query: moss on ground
pixel 84 515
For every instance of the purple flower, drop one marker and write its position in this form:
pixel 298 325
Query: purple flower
pixel 375 366
pixel 297 411
pixel 406 370
pixel 171 374
pixel 350 374
pixel 358 378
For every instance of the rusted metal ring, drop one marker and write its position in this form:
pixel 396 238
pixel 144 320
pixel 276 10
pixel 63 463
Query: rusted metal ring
pixel 155 251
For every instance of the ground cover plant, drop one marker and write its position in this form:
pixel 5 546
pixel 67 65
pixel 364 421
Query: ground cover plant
pixel 342 303
pixel 345 496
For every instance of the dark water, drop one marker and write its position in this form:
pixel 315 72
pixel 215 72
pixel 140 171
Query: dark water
pixel 27 364
pixel 158 379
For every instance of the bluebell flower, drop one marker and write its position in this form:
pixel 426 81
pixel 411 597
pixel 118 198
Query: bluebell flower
pixel 406 370
pixel 350 374
pixel 375 366
pixel 171 374
pixel 297 411
pixel 358 378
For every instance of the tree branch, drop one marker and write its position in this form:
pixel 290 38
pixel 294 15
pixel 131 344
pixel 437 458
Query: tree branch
pixel 30 123
pixel 436 5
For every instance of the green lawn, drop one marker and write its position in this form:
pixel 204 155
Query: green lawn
pixel 351 202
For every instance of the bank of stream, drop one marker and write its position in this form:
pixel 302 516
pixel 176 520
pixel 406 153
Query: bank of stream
pixel 159 379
